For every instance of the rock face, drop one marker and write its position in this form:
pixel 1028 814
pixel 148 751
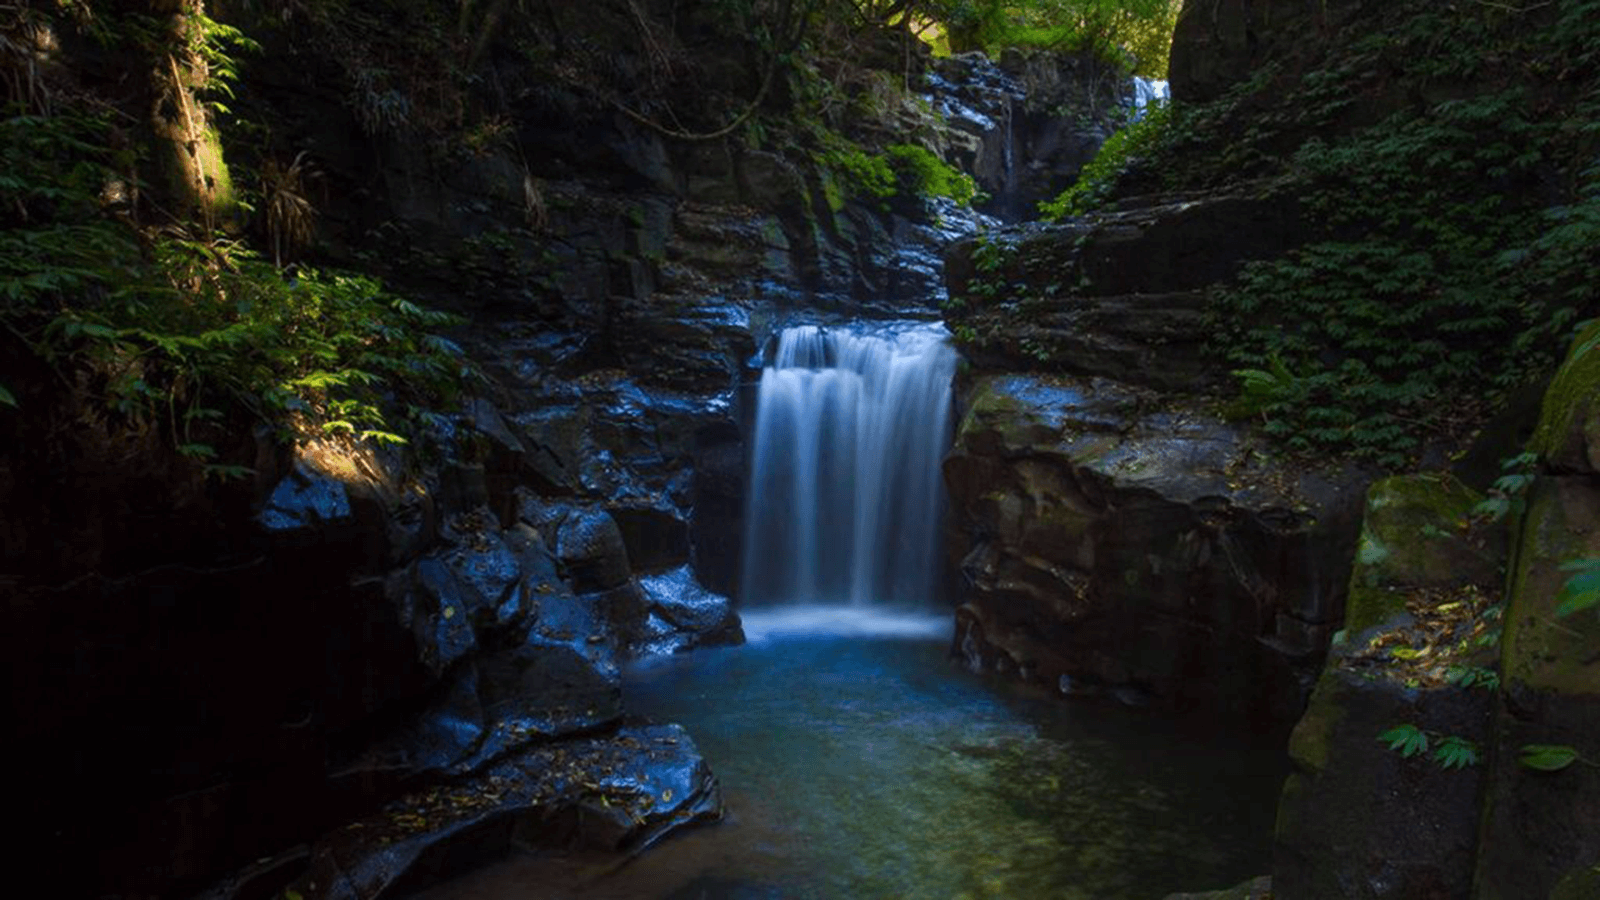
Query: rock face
pixel 1428 603
pixel 1218 44
pixel 1537 831
pixel 1024 126
pixel 1421 591
pixel 1118 295
pixel 1112 542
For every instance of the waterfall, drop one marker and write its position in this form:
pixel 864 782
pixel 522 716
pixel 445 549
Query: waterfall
pixel 1148 91
pixel 845 486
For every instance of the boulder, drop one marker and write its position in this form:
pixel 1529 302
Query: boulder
pixel 1112 541
pixel 589 544
pixel 1568 434
pixel 1422 602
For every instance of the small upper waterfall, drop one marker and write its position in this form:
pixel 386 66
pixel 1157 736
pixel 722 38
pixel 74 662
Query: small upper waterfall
pixel 845 487
pixel 1147 91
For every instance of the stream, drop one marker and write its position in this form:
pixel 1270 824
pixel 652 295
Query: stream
pixel 857 761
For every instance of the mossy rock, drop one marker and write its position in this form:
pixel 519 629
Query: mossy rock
pixel 1582 884
pixel 1415 533
pixel 1568 435
pixel 1541 649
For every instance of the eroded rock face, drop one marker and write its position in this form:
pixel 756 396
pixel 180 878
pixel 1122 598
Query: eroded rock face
pixel 1538 834
pixel 1114 542
pixel 1221 42
pixel 1118 295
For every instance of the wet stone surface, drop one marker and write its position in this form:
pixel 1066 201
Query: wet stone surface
pixel 622 791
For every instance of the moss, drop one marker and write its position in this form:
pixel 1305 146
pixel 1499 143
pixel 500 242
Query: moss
pixel 1310 742
pixel 1569 418
pixel 1580 884
pixel 1541 649
pixel 1415 532
pixel 1368 607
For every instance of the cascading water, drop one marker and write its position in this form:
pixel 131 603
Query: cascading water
pixel 1148 92
pixel 845 486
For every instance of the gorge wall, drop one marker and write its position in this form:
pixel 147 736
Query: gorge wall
pixel 356 670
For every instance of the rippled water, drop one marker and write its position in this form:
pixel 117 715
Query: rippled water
pixel 859 763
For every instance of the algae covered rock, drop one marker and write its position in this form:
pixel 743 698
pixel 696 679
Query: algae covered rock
pixel 1422 593
pixel 1568 436
pixel 1539 826
pixel 1417 532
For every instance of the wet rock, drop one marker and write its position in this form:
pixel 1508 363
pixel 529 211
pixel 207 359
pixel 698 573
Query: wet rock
pixel 1023 127
pixel 304 501
pixel 590 545
pixel 656 538
pixel 439 613
pixel 1117 541
pixel 716 522
pixel 684 615
pixel 618 792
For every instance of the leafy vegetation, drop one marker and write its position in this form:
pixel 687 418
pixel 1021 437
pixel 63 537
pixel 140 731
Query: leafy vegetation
pixel 1134 34
pixel 1450 751
pixel 1444 162
pixel 173 326
pixel 1099 178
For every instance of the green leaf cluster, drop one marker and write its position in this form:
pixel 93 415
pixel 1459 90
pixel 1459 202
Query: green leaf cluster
pixel 1098 179
pixel 169 329
pixel 906 170
pixel 1136 35
pixel 1443 159
pixel 1450 751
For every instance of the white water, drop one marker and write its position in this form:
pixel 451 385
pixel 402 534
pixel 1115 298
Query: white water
pixel 1147 91
pixel 845 489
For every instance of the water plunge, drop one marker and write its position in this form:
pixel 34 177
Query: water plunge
pixel 845 486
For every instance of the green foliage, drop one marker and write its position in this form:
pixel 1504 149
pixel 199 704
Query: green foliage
pixel 1547 757
pixel 1509 493
pixel 1099 178
pixel 1443 161
pixel 860 172
pixel 1582 590
pixel 1450 751
pixel 927 176
pixel 1134 34
pixel 900 170
pixel 1455 752
pixel 1408 740
pixel 171 330
pixel 1473 676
